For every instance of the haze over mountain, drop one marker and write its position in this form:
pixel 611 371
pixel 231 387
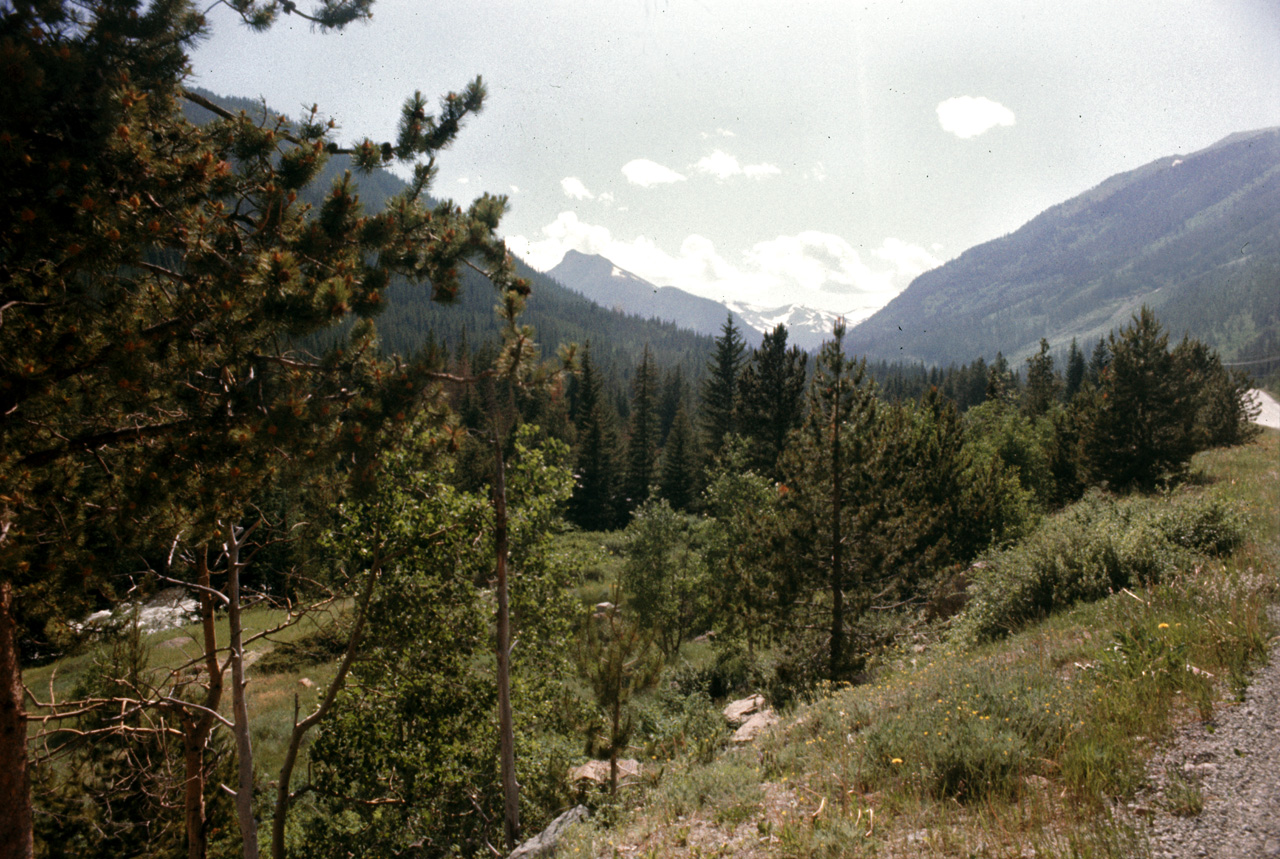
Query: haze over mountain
pixel 1196 237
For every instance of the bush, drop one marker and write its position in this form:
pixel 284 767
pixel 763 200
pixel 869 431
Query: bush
pixel 1090 550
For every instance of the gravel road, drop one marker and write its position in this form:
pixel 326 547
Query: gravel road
pixel 1234 765
pixel 1269 416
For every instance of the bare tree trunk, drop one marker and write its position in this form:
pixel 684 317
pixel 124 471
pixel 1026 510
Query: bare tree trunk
pixel 240 710
pixel 16 841
pixel 510 788
pixel 283 796
pixel 198 727
pixel 837 543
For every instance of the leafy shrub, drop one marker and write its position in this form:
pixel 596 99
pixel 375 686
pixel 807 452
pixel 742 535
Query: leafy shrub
pixel 1094 548
pixel 1206 524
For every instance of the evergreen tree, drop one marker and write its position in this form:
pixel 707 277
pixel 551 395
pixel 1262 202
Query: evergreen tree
pixel 596 498
pixel 1223 412
pixel 772 398
pixel 1001 384
pixel 1098 362
pixel 679 480
pixel 157 278
pixel 1076 369
pixel 642 441
pixel 720 390
pixel 675 393
pixel 1041 390
pixel 826 474
pixel 1138 425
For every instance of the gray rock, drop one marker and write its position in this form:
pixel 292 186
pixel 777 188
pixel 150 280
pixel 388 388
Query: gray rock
pixel 545 842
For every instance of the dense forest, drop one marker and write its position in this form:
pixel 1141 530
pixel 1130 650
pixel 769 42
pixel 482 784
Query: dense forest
pixel 197 389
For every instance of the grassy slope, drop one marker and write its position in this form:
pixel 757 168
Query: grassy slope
pixel 1029 742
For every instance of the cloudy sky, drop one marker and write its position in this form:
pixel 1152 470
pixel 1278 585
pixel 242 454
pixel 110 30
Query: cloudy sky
pixel 777 151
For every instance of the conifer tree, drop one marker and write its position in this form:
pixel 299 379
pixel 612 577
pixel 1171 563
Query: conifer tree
pixel 679 480
pixel 675 391
pixel 1042 386
pixel 642 441
pixel 719 411
pixel 156 278
pixel 1098 361
pixel 1075 372
pixel 596 497
pixel 1138 425
pixel 772 398
pixel 826 475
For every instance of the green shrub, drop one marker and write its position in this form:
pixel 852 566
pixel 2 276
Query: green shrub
pixel 1094 548
pixel 1207 524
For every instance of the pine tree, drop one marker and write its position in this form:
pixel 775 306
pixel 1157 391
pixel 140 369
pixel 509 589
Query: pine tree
pixel 157 278
pixel 1076 369
pixel 719 411
pixel 679 481
pixel 642 441
pixel 1098 361
pixel 772 398
pixel 596 499
pixel 1138 425
pixel 826 476
pixel 1041 390
pixel 675 392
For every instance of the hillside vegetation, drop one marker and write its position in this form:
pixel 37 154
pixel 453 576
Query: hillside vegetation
pixel 1011 727
pixel 1194 237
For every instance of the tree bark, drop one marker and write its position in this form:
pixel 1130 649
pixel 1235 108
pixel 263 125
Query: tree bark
pixel 837 542
pixel 283 796
pixel 510 788
pixel 16 841
pixel 198 727
pixel 240 710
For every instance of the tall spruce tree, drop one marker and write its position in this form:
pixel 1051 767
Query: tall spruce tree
pixel 596 497
pixel 1076 368
pixel 826 476
pixel 642 440
pixel 719 411
pixel 678 483
pixel 771 395
pixel 1041 390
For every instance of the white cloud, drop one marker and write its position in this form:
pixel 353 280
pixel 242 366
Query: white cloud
pixel 573 187
pixel 719 132
pixel 811 268
pixel 646 173
pixel 722 165
pixel 966 116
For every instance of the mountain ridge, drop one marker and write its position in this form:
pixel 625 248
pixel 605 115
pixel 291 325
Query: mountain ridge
pixel 1196 236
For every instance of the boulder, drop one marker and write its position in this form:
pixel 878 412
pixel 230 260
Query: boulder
pixel 754 725
pixel 545 842
pixel 598 771
pixel 741 710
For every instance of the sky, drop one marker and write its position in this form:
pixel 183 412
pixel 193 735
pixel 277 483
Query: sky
pixel 771 152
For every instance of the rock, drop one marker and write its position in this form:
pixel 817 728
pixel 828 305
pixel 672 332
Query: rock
pixel 741 710
pixel 754 725
pixel 598 771
pixel 544 843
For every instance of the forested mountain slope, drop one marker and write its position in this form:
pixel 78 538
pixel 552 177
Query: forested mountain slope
pixel 1195 237
pixel 557 314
